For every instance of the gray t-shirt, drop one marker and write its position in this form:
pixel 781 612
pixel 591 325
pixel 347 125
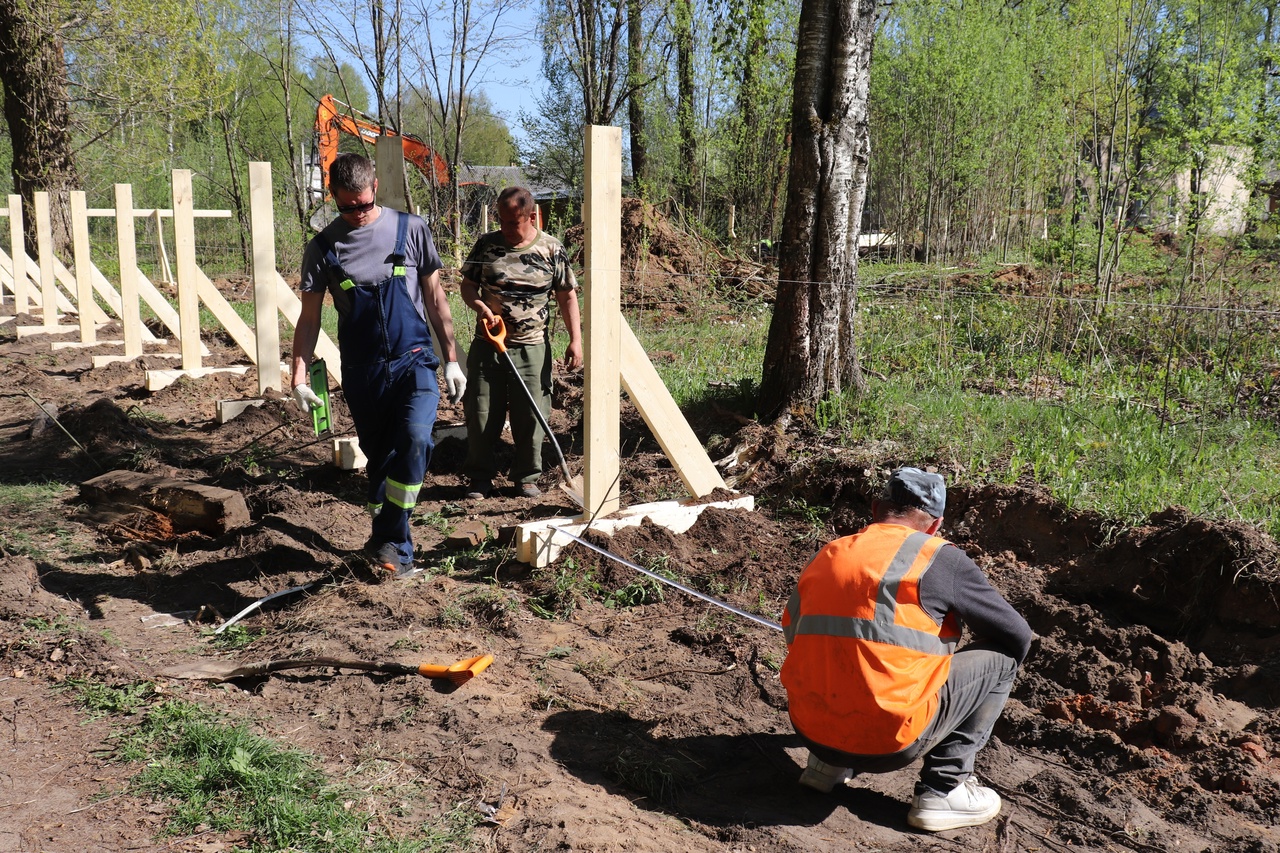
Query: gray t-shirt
pixel 365 256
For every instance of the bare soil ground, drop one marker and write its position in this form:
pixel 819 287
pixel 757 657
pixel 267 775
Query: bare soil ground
pixel 1146 718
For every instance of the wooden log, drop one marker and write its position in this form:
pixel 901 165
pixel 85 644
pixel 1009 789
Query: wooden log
pixel 190 506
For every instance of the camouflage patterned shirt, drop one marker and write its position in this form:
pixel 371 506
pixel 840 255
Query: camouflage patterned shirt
pixel 517 283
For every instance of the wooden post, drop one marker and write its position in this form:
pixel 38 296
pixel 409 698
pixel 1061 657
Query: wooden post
pixel 602 263
pixel 44 245
pixel 127 246
pixel 21 297
pixel 184 249
pixel 165 275
pixel 263 235
pixel 484 218
pixel 388 153
pixel 84 278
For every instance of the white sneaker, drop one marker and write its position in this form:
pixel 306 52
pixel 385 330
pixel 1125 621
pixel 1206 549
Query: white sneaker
pixel 822 777
pixel 969 804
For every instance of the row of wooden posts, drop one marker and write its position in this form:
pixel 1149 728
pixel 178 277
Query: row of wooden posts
pixel 46 286
pixel 615 358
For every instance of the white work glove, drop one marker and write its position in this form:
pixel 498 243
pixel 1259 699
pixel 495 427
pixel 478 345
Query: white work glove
pixel 307 399
pixel 456 382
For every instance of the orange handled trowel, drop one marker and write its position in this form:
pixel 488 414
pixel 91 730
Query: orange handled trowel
pixel 457 673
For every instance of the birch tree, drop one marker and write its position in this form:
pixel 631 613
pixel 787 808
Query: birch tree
pixel 37 108
pixel 811 350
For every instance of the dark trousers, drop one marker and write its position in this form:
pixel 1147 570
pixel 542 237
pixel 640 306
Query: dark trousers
pixel 394 409
pixel 492 397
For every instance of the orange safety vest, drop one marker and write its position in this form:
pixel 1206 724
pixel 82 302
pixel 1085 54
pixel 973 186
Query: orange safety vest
pixel 866 661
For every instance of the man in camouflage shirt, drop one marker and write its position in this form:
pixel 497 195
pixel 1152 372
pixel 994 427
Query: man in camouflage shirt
pixel 512 273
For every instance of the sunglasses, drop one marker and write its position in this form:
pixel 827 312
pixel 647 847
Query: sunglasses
pixel 356 208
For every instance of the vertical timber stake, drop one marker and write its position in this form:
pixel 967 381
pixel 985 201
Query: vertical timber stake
pixel 262 233
pixel 602 262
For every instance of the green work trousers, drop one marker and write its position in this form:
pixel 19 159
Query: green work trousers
pixel 492 396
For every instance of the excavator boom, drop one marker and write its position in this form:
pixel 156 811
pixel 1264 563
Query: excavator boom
pixel 332 122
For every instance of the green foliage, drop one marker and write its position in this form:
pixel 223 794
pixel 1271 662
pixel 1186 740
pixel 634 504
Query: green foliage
pixel 570 585
pixel 234 638
pixel 1125 414
pixel 643 590
pixel 725 365
pixel 101 700
pixel 39 623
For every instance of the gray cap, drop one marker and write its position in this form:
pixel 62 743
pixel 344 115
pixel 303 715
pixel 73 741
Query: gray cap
pixel 920 489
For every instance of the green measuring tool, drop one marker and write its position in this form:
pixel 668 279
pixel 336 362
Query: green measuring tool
pixel 318 378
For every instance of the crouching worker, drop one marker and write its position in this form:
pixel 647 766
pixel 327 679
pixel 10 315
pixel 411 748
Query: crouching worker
pixel 873 677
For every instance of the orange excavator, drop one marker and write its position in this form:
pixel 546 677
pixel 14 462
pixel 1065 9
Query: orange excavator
pixel 332 120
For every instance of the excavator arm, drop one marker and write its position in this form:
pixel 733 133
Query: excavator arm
pixel 332 122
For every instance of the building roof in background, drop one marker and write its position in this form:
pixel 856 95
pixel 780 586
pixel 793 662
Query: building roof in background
pixel 501 177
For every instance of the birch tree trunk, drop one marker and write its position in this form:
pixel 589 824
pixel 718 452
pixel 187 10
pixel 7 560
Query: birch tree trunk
pixel 37 112
pixel 811 351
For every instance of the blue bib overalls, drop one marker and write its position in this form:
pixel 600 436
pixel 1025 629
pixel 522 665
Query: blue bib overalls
pixel 389 379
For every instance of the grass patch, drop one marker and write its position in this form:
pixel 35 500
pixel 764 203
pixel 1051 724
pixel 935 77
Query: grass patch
pixel 35 525
pixel 218 775
pixel 658 777
pixel 567 585
pixel 1147 406
pixel 1168 397
pixel 1092 453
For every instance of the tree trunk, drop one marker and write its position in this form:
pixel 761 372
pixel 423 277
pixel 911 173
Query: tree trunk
pixel 811 351
pixel 37 113
pixel 686 179
pixel 635 101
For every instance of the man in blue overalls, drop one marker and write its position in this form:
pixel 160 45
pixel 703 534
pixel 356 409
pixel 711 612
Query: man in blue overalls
pixel 382 269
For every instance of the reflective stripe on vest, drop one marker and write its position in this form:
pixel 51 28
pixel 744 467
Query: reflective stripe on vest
pixel 883 628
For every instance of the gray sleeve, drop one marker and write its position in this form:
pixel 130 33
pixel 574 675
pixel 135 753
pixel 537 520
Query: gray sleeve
pixel 315 273
pixel 954 583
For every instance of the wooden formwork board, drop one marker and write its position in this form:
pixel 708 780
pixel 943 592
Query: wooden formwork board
pixel 539 543
pixel 157 380
pixel 667 423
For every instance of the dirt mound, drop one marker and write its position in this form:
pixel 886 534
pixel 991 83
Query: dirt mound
pixel 1217 583
pixel 667 268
